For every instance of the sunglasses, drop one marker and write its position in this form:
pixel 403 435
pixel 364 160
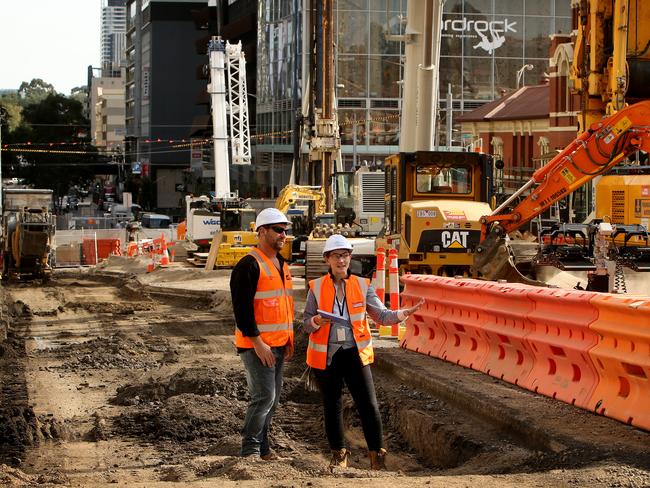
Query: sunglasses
pixel 340 255
pixel 277 229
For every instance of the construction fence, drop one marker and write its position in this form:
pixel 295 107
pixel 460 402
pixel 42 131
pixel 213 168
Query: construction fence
pixel 87 247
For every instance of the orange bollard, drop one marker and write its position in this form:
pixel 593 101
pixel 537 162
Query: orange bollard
pixel 393 276
pixel 132 249
pixel 381 274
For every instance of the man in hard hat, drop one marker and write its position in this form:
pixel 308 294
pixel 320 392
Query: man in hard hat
pixel 340 348
pixel 262 300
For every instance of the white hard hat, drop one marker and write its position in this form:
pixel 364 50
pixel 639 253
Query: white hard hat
pixel 336 241
pixel 270 216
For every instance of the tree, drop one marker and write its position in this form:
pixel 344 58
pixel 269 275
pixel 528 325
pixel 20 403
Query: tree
pixel 35 91
pixel 56 123
pixel 79 93
pixel 12 110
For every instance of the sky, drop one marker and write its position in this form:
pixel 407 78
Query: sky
pixel 55 40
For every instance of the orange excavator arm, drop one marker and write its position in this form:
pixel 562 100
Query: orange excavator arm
pixel 594 152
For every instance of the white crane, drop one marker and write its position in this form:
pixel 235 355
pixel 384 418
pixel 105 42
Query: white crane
pixel 225 56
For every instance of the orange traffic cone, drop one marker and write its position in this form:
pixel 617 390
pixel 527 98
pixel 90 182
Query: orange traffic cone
pixel 151 265
pixel 164 255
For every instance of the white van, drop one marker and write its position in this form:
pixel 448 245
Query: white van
pixel 155 221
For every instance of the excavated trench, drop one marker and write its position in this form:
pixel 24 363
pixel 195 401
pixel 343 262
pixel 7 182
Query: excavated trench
pixel 163 379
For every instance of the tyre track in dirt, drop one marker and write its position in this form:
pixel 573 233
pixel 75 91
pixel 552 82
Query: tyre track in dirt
pixel 146 388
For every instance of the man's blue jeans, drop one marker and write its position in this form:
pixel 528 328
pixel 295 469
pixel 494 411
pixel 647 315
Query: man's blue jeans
pixel 264 385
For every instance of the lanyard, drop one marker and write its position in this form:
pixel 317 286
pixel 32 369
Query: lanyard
pixel 340 305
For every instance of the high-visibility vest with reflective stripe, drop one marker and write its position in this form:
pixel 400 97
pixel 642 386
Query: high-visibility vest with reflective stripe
pixel 272 305
pixel 355 300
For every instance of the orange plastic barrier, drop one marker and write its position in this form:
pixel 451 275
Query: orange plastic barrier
pixel 622 359
pixel 561 341
pixel 132 249
pixel 181 230
pixel 506 328
pixel 462 318
pixel 105 247
pixel 424 332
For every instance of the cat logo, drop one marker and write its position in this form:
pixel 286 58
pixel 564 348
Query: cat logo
pixel 237 238
pixel 454 239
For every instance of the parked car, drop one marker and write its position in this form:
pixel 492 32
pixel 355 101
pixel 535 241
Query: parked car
pixel 155 221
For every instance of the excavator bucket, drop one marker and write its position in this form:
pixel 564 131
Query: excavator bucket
pixel 495 260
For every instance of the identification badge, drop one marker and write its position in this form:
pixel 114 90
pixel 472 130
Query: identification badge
pixel 340 335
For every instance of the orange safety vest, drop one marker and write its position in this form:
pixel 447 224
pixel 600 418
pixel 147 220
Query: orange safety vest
pixel 272 305
pixel 356 289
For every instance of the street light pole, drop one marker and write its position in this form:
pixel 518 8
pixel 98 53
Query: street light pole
pixel 520 72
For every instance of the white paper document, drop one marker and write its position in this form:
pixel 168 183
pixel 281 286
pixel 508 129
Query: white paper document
pixel 332 317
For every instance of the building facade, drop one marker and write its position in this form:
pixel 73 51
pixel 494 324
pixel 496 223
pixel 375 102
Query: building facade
pixel 491 47
pixel 162 90
pixel 107 122
pixel 113 36
pixel 527 128
pixel 488 48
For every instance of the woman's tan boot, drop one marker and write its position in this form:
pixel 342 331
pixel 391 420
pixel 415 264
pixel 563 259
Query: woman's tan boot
pixel 340 458
pixel 378 459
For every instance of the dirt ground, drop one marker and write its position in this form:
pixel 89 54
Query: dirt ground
pixel 132 379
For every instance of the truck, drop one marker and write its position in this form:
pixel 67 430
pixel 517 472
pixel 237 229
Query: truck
pixel 433 205
pixel 359 200
pixel 434 199
pixel 28 228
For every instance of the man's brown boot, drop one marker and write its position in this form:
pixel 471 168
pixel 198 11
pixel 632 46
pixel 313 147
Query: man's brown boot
pixel 378 459
pixel 340 458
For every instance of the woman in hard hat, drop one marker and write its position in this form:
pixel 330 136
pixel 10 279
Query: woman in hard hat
pixel 340 347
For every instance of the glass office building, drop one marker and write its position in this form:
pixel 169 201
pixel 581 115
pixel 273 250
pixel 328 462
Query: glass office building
pixel 486 47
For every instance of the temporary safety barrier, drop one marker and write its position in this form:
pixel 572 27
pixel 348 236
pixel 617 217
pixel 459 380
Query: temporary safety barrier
pixel 462 318
pixel 622 359
pixel 561 342
pixel 587 349
pixel 132 249
pixel 506 327
pixel 96 249
pixel 424 332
